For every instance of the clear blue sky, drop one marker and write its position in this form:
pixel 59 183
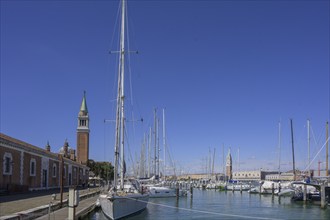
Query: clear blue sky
pixel 226 72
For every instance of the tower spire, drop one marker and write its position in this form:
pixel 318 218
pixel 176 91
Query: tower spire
pixel 83 107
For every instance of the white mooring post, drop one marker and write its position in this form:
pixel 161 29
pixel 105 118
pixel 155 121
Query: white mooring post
pixel 305 193
pixel 323 202
pixel 73 203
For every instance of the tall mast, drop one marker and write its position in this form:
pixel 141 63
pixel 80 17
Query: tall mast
pixel 327 150
pixel 164 144
pixel 158 149
pixel 308 147
pixel 223 160
pixel 155 150
pixel 142 172
pixel 279 148
pixel 293 162
pixel 122 94
pixel 213 162
pixel 209 164
pixel 120 104
pixel 149 152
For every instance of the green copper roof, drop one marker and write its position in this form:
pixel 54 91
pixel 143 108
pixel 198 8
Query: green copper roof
pixel 83 107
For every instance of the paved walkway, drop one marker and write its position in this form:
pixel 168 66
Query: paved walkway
pixel 27 202
pixel 84 207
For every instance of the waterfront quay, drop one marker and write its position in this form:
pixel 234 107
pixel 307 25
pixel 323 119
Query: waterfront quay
pixel 45 204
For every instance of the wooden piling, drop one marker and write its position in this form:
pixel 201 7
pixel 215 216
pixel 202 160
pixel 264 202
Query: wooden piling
pixel 273 189
pixel 323 202
pixel 279 187
pixel 305 193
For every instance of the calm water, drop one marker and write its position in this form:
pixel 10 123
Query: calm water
pixel 209 204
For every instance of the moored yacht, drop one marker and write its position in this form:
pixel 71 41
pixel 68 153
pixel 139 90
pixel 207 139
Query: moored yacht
pixel 126 197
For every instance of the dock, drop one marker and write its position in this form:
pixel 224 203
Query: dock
pixel 44 205
pixel 86 206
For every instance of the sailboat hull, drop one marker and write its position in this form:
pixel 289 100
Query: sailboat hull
pixel 116 207
pixel 160 191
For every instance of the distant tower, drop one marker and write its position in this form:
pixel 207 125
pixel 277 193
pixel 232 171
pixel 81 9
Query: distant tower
pixel 229 166
pixel 83 133
pixel 47 147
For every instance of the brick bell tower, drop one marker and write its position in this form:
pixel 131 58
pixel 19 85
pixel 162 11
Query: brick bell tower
pixel 83 133
pixel 229 166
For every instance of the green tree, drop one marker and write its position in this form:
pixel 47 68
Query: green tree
pixel 102 169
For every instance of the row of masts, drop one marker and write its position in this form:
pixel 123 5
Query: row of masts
pixel 326 145
pixel 150 166
pixel 210 168
pixel 308 150
pixel 149 163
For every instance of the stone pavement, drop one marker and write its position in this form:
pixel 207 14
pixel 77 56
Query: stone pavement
pixel 19 204
pixel 85 206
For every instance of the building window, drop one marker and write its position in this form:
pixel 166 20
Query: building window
pixel 33 167
pixel 7 164
pixel 54 170
pixel 83 123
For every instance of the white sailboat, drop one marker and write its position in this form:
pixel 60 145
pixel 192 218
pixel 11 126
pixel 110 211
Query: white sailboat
pixel 156 191
pixel 125 197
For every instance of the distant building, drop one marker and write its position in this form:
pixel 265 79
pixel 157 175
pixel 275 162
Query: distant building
pixel 196 176
pixel 280 177
pixel 27 167
pixel 254 175
pixel 288 176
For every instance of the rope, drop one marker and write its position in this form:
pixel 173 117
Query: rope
pixel 206 212
pixel 317 154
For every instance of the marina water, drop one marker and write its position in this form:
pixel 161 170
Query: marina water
pixel 211 204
